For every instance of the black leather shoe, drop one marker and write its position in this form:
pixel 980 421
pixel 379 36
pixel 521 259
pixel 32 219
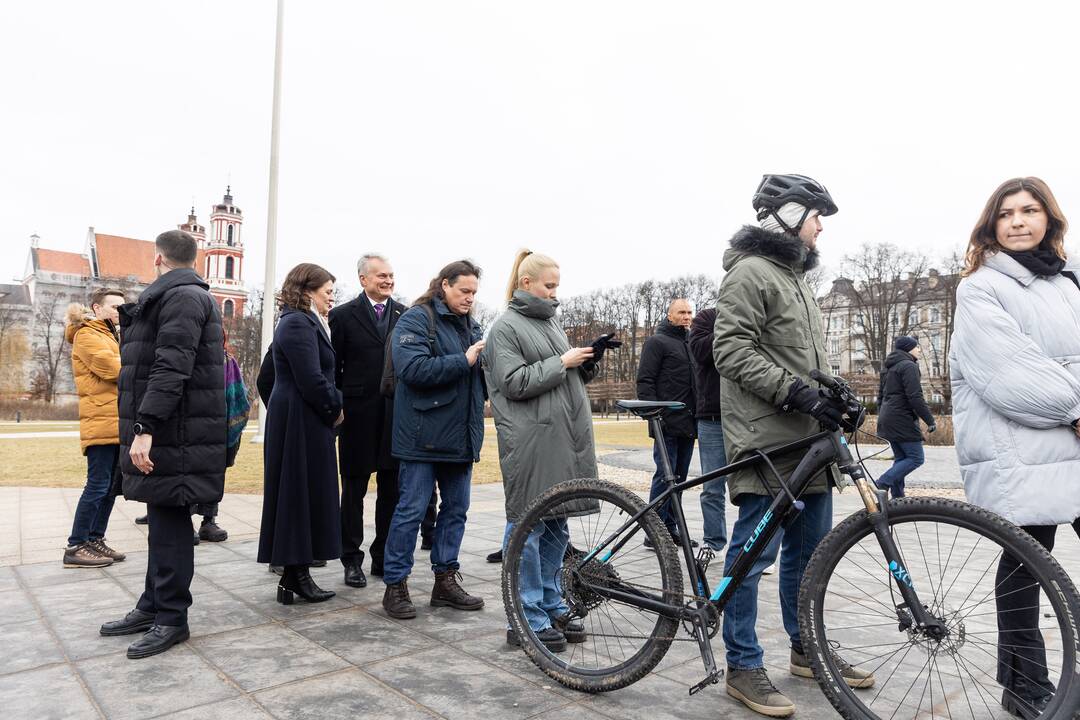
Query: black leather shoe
pixel 495 557
pixel 135 621
pixel 157 639
pixel 354 576
pixel 376 569
pixel 296 580
pixel 142 520
pixel 318 563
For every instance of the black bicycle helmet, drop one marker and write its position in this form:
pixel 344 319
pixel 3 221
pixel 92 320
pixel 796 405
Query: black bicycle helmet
pixel 776 190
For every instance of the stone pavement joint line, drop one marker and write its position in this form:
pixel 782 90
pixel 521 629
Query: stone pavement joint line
pixel 249 657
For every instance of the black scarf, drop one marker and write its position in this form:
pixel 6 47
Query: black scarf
pixel 1041 260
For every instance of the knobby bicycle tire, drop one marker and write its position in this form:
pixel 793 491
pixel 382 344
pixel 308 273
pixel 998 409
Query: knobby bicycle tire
pixel 654 649
pixel 1053 581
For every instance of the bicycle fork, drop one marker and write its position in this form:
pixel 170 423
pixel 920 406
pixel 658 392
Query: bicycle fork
pixel 877 511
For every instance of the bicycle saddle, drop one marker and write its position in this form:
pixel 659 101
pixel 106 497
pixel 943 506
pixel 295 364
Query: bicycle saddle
pixel 648 408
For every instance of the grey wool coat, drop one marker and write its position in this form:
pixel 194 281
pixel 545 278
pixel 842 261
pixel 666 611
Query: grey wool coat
pixel 542 417
pixel 1015 372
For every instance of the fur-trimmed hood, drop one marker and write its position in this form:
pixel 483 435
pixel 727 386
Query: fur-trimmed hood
pixel 782 247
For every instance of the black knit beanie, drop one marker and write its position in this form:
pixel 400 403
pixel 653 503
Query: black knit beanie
pixel 905 343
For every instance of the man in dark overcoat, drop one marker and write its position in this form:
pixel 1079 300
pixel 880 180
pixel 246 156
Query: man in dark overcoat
pixel 359 330
pixel 173 431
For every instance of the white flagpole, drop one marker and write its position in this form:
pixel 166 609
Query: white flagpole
pixel 269 278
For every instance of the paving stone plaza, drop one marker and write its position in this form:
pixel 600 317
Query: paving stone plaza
pixel 250 657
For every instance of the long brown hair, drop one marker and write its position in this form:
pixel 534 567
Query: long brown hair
pixel 450 274
pixel 302 279
pixel 984 236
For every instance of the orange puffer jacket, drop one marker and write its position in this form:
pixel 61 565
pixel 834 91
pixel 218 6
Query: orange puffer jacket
pixel 95 364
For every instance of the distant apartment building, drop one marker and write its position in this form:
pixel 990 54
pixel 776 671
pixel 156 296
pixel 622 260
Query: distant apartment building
pixel 861 323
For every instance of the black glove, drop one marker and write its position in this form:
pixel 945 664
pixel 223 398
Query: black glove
pixel 602 343
pixel 825 409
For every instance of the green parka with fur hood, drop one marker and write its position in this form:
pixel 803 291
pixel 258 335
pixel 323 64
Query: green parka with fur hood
pixel 768 332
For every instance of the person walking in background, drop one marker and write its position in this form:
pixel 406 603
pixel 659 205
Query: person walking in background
pixel 438 431
pixel 95 365
pixel 710 429
pixel 173 432
pixel 666 372
pixel 900 405
pixel 768 335
pixel 301 517
pixel 359 330
pixel 544 426
pixel 1016 404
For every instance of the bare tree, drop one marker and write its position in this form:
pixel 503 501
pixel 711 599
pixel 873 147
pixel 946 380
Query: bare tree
pixel 50 347
pixel 942 290
pixel 886 283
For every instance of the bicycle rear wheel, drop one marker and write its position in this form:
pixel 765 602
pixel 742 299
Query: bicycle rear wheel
pixel 964 562
pixel 622 642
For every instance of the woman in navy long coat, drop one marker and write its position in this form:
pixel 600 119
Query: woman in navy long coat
pixel 301 518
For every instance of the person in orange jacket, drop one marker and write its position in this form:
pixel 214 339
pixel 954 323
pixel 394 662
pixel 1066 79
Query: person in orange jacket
pixel 95 365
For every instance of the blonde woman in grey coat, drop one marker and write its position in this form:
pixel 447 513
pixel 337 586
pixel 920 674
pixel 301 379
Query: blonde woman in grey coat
pixel 543 421
pixel 1015 372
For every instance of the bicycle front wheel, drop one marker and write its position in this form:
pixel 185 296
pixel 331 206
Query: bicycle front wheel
pixel 1009 611
pixel 543 575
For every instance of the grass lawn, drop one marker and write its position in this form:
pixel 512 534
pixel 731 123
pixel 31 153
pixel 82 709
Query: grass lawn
pixel 20 428
pixel 57 462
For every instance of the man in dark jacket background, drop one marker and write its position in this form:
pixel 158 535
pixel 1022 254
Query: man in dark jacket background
pixel 900 405
pixel 359 330
pixel 666 372
pixel 710 429
pixel 173 432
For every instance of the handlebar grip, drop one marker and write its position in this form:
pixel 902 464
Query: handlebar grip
pixel 826 380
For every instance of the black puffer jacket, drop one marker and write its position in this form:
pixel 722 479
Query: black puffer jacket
pixel 707 386
pixel 900 399
pixel 172 380
pixel 666 372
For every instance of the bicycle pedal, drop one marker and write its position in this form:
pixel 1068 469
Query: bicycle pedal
pixel 704 557
pixel 710 680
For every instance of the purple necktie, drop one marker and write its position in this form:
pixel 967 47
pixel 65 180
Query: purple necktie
pixel 379 309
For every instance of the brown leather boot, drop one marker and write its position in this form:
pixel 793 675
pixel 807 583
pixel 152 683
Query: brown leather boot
pixel 447 593
pixel 396 601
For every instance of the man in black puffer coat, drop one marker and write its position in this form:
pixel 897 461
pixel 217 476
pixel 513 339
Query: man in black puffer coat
pixel 173 432
pixel 666 372
pixel 900 404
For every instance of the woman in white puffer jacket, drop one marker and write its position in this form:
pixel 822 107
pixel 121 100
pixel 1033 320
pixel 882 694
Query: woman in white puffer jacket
pixel 1015 373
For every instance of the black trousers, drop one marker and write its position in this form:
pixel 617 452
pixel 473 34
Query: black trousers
pixel 353 491
pixel 1021 650
pixel 427 525
pixel 170 565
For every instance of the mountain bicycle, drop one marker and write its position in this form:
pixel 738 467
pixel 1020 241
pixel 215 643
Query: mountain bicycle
pixel 905 588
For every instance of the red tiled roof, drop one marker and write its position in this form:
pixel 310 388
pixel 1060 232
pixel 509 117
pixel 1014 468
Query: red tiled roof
pixel 121 257
pixel 58 261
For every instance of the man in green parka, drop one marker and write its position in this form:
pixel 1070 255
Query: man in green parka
pixel 768 336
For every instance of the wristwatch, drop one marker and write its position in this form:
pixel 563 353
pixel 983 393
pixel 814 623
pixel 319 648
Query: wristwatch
pixel 139 429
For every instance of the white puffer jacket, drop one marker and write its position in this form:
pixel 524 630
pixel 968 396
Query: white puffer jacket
pixel 1015 372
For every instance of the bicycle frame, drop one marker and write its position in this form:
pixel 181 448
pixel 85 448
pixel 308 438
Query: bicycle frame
pixel 821 450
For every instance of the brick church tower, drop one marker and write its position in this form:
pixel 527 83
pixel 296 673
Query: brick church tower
pixel 221 260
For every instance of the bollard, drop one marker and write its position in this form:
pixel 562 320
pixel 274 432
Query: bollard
pixel 18 416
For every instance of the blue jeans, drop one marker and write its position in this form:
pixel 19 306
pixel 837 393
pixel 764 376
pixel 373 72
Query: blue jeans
pixel 711 450
pixel 96 502
pixel 680 452
pixel 416 480
pixel 906 457
pixel 798 542
pixel 541 561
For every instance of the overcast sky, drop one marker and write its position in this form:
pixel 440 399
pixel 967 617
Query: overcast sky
pixel 623 138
